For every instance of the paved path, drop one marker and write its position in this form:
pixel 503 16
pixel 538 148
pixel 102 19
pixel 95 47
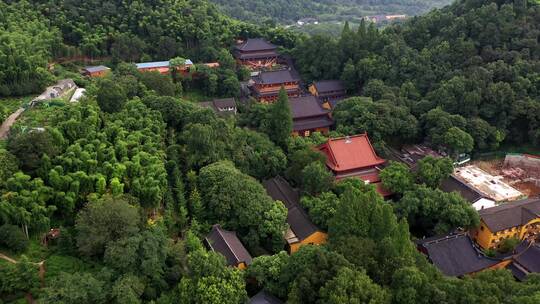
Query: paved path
pixel 6 126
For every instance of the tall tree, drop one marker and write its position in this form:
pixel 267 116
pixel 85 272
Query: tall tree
pixel 316 178
pixel 458 141
pixel 432 171
pixel 104 221
pixel 81 288
pixel 281 119
pixel 240 203
pixel 397 177
pixel 352 286
pixel 8 166
pixel 110 96
pixel 434 211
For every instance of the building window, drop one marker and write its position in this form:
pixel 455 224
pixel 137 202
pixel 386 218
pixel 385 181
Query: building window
pixel 482 228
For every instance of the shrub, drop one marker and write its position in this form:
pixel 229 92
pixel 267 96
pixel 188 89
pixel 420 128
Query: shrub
pixel 13 238
pixel 508 245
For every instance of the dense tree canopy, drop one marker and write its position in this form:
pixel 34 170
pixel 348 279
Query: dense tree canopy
pixel 241 204
pixel 473 60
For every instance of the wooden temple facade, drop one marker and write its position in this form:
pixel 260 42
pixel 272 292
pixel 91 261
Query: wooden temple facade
pixel 354 156
pixel 266 85
pixel 256 54
pixel 309 116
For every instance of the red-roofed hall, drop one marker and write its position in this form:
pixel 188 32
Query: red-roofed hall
pixel 354 156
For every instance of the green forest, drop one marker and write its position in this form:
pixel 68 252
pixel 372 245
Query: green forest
pixel 325 10
pixel 135 175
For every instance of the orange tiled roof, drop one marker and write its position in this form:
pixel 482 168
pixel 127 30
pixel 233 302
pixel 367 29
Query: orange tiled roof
pixel 350 153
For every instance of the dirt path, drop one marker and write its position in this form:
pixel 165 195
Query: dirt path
pixel 6 126
pixel 5 257
pixel 40 264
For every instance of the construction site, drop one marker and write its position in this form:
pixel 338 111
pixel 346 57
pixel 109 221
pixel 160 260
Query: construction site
pixel 520 171
pixel 490 186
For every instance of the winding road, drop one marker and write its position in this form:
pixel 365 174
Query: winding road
pixel 6 126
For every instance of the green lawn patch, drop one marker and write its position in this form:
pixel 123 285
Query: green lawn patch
pixel 56 264
pixel 13 103
pixel 40 115
pixel 502 151
pixel 35 252
pixel 196 96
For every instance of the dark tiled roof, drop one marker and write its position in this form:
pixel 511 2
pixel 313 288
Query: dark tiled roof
pixel 279 189
pixel 455 255
pixel 335 101
pixel 264 297
pixel 517 271
pixel 312 123
pixel 529 259
pixel 275 77
pixel 325 86
pixel 255 44
pixel 275 92
pixel 228 244
pixel 306 106
pixel 94 69
pixel 218 104
pixel 511 214
pixel 452 184
pixel 300 223
pixel 225 102
pixel 258 55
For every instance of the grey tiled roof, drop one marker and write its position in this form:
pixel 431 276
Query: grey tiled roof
pixel 264 297
pixel 306 106
pixel 452 184
pixel 511 214
pixel 455 255
pixel 255 44
pixel 275 77
pixel 326 86
pixel 279 189
pixel 228 244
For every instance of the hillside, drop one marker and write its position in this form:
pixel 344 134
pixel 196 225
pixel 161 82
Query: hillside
pixel 287 12
pixel 475 64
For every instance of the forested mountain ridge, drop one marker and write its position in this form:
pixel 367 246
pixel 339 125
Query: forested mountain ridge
pixel 473 65
pixel 49 31
pixel 325 10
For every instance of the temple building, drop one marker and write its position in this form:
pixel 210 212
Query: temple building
pixel 330 92
pixel 263 297
pixel 309 116
pixel 354 156
pixel 162 67
pixel 256 53
pixel 222 107
pixel 95 71
pixel 525 260
pixel 456 255
pixel 227 244
pixel 475 198
pixel 519 220
pixel 301 230
pixel 266 85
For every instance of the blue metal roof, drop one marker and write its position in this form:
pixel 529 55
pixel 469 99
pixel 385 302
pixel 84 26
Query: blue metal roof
pixel 99 68
pixel 157 64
